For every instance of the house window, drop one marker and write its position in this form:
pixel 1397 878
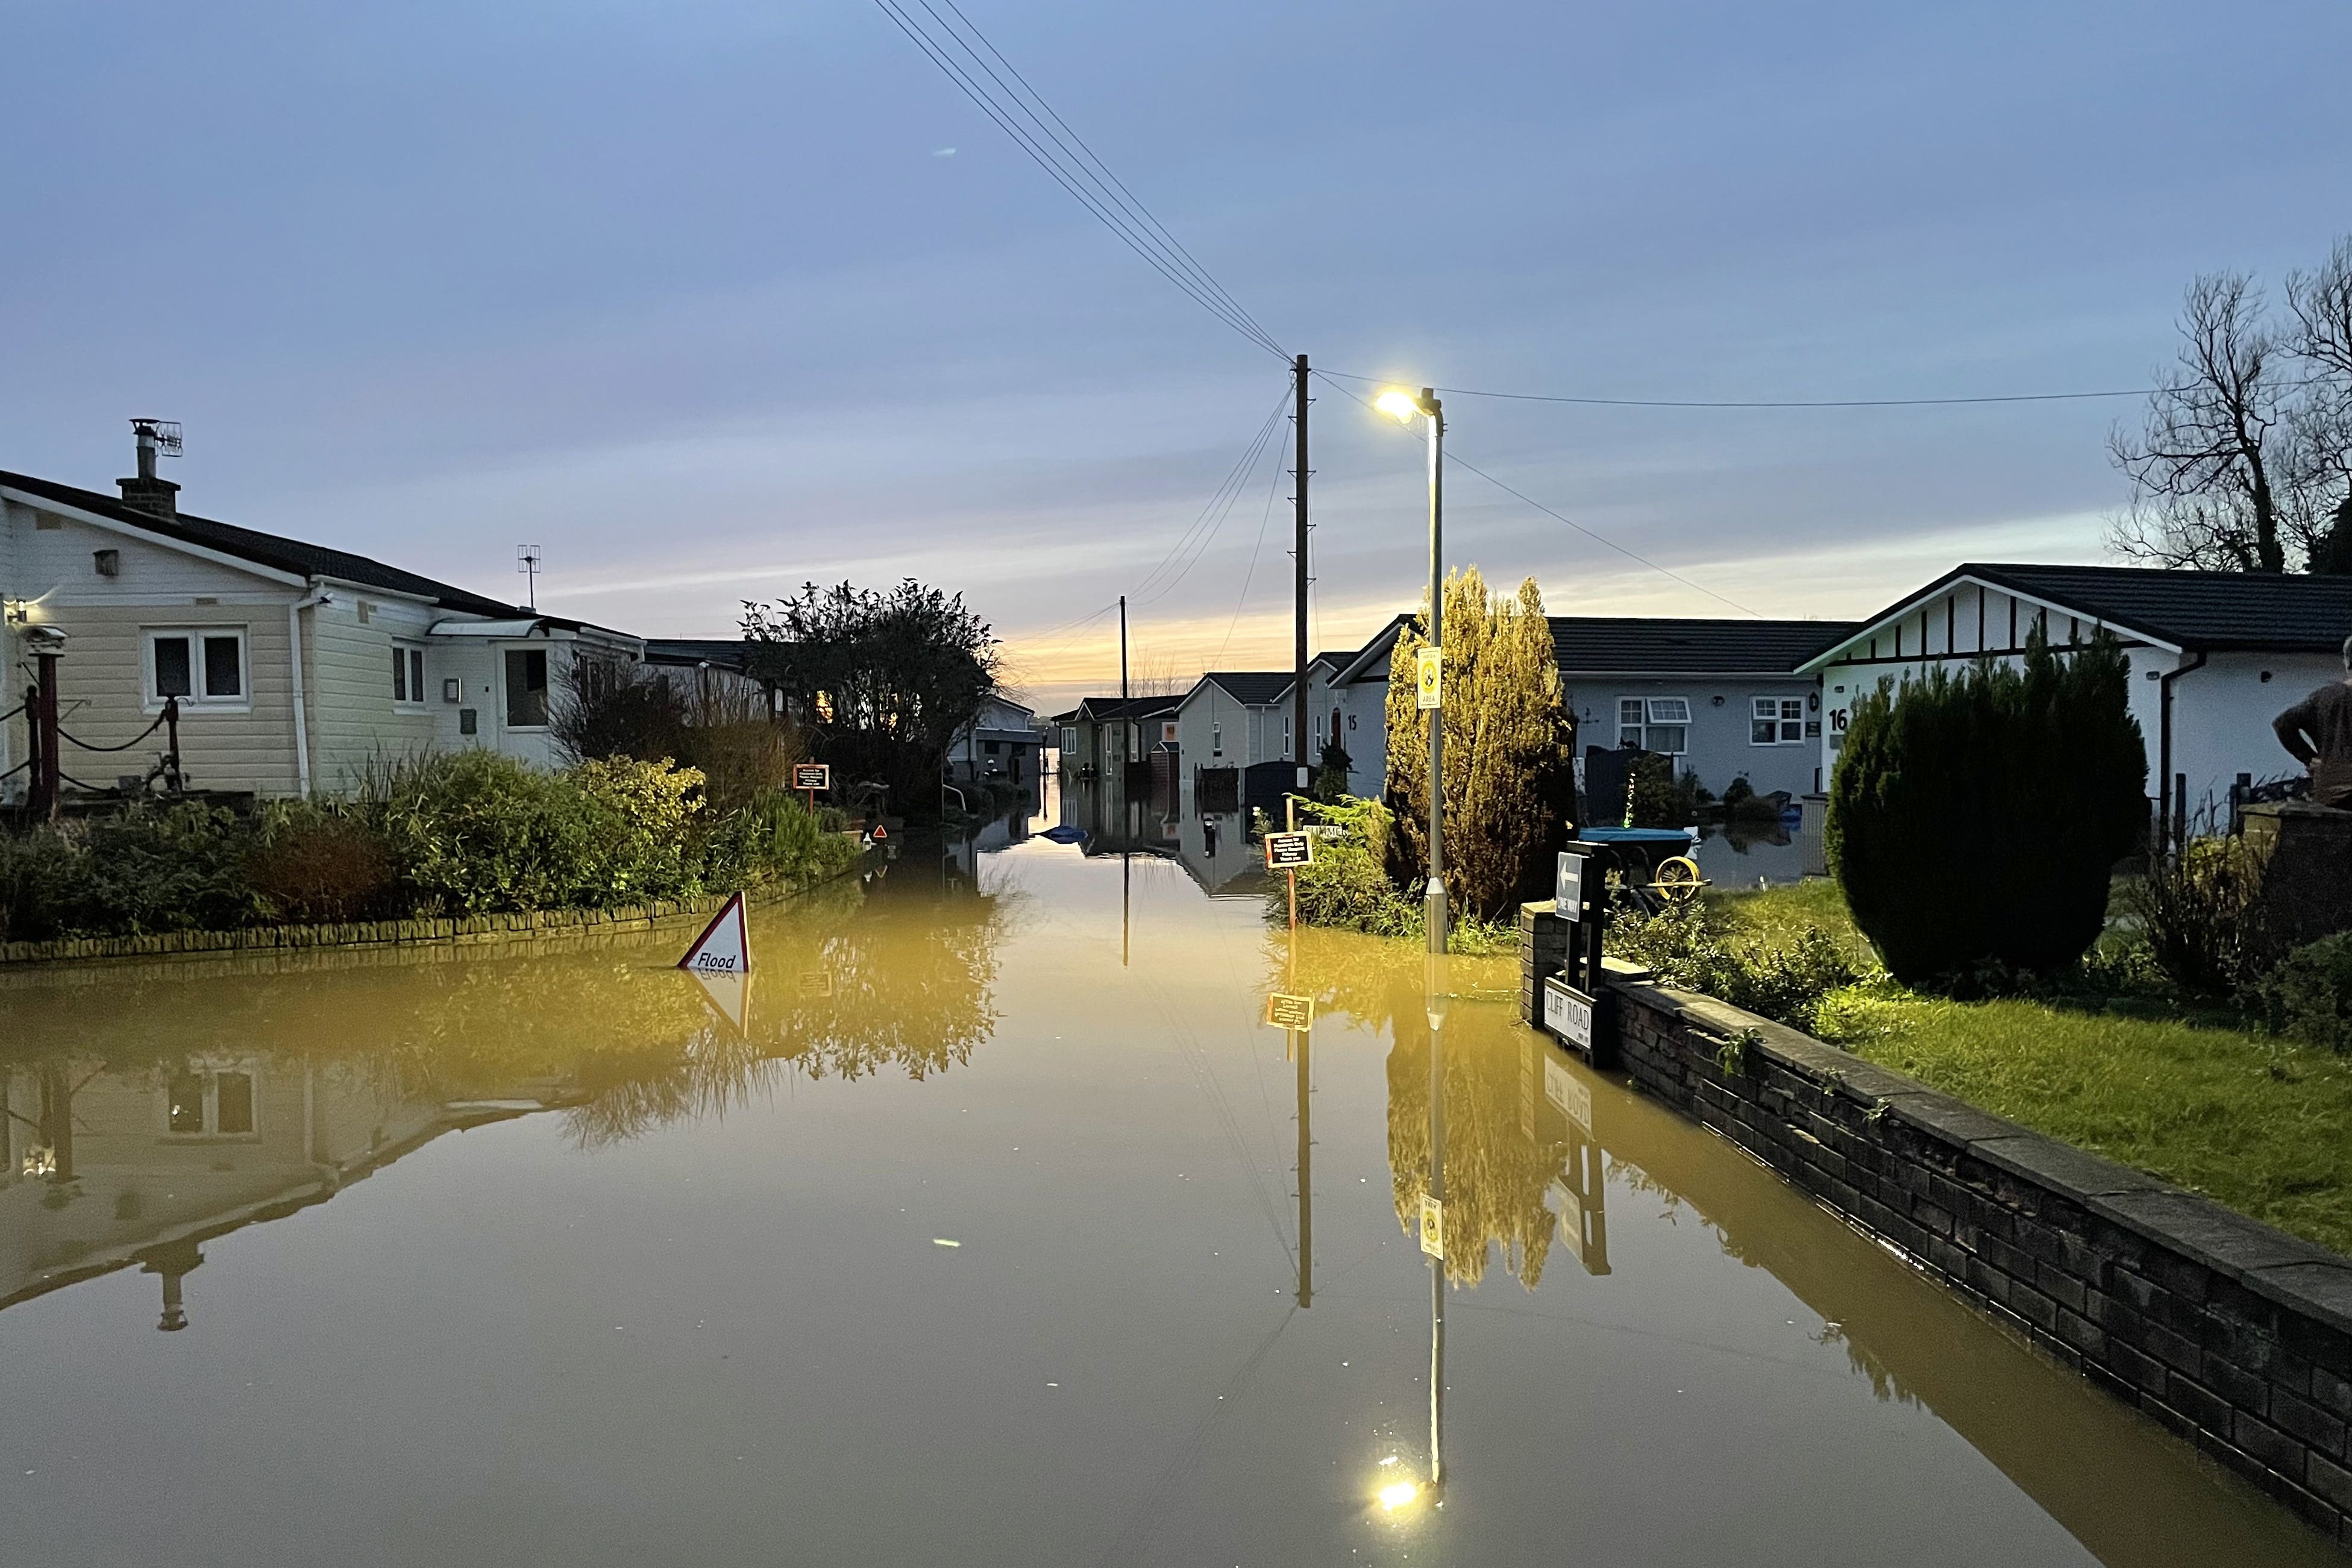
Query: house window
pixel 1776 721
pixel 1168 735
pixel 1216 740
pixel 407 675
pixel 1070 740
pixel 210 1103
pixel 1285 742
pixel 202 664
pixel 526 688
pixel 988 748
pixel 1655 723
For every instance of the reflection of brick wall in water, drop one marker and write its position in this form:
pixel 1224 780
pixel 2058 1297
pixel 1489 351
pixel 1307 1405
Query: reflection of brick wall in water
pixel 1163 782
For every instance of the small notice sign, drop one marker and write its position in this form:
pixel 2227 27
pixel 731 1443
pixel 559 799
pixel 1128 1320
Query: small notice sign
pixel 1432 1226
pixel 1428 673
pixel 1568 1012
pixel 725 945
pixel 1286 1012
pixel 816 983
pixel 812 776
pixel 1288 851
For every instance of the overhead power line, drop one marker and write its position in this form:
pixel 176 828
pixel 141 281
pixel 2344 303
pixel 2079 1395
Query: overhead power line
pixel 1635 555
pixel 1196 539
pixel 964 54
pixel 1764 402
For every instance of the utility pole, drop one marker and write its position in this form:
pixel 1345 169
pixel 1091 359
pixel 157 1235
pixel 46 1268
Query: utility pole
pixel 1298 684
pixel 1126 723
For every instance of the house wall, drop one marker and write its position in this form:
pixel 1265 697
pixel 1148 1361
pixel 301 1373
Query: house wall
pixel 347 679
pixel 1364 731
pixel 2222 713
pixel 1719 741
pixel 101 678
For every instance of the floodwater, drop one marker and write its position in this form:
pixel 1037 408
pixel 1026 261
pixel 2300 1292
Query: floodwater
pixel 991 1225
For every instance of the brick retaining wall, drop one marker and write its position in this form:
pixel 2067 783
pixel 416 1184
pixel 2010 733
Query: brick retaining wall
pixel 2233 1335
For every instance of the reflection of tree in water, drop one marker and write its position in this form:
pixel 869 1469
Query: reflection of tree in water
pixel 606 1030
pixel 1496 1170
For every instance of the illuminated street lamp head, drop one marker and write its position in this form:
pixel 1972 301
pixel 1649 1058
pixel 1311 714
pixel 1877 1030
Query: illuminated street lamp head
pixel 1399 404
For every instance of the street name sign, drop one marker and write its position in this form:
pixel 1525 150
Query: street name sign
pixel 1288 851
pixel 1568 1012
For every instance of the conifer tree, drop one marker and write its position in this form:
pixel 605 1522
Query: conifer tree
pixel 1508 787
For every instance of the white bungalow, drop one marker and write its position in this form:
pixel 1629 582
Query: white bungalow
pixel 294 665
pixel 2214 655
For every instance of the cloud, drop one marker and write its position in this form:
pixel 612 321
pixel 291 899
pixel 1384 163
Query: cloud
pixel 943 152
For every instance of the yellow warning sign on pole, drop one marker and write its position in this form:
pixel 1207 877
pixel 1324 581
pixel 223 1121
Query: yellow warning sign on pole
pixel 1432 1226
pixel 1429 667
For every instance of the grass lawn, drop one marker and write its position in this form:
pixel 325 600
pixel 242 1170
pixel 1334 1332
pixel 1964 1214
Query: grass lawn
pixel 2261 1124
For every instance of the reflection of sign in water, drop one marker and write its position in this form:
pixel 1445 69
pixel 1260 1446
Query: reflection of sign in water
pixel 812 776
pixel 1428 673
pixel 1568 1012
pixel 1286 1011
pixel 1432 1226
pixel 817 982
pixel 1288 851
pixel 725 945
pixel 730 993
pixel 1563 1088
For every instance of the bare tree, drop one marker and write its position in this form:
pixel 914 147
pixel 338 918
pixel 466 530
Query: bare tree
pixel 2204 465
pixel 2321 301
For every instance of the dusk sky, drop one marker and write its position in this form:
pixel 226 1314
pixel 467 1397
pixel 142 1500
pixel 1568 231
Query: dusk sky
pixel 713 298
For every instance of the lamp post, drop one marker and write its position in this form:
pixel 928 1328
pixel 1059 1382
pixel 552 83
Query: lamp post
pixel 1403 406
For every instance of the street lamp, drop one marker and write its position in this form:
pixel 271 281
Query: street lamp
pixel 1403 406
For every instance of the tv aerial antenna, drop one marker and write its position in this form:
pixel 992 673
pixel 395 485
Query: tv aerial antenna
pixel 528 558
pixel 161 434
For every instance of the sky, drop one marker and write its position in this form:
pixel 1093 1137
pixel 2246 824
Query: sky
pixel 710 298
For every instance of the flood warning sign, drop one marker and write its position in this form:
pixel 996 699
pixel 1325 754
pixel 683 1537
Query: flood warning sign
pixel 725 945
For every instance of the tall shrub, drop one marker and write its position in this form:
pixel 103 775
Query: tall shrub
pixel 1974 818
pixel 1508 786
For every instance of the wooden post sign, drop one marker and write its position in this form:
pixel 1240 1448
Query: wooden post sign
pixel 812 776
pixel 1288 851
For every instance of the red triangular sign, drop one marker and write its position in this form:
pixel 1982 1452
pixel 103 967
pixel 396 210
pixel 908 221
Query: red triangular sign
pixel 725 945
pixel 881 831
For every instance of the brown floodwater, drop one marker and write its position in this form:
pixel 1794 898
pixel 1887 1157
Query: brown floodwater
pixel 972 1231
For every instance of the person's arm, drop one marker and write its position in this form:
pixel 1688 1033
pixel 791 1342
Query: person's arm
pixel 2293 728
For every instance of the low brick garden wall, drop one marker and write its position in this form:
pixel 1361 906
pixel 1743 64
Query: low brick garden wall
pixel 2233 1335
pixel 466 929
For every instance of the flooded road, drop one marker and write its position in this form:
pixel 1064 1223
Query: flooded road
pixel 972 1232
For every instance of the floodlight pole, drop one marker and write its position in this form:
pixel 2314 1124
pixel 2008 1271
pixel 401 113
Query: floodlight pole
pixel 1433 901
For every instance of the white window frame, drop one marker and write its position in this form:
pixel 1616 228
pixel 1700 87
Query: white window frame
pixel 1783 717
pixel 1655 714
pixel 211 1072
pixel 412 656
pixel 1070 741
pixel 199 699
pixel 1217 742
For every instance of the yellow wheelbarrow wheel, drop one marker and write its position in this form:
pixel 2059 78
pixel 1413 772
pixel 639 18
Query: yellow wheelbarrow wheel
pixel 1678 878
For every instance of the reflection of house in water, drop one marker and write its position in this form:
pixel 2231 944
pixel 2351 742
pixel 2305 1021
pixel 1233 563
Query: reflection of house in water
pixel 102 1168
pixel 1217 853
pixel 962 851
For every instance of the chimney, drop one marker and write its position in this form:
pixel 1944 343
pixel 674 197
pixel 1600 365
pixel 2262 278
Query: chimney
pixel 147 492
